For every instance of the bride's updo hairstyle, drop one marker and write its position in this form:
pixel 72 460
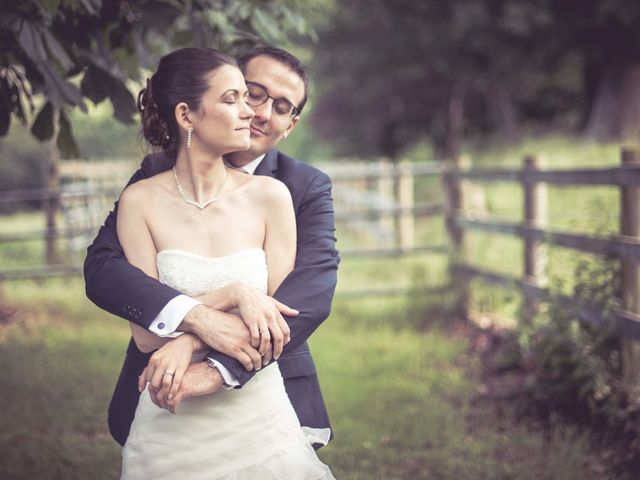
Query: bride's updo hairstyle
pixel 181 77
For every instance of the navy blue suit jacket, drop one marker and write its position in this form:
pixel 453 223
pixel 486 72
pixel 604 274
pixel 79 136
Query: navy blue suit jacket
pixel 122 289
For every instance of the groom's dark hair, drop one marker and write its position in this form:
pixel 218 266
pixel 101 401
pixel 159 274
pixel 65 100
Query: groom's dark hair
pixel 283 57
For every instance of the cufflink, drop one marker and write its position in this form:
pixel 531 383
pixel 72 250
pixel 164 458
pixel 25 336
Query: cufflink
pixel 161 325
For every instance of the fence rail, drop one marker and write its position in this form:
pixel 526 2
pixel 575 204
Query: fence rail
pixel 625 246
pixel 40 271
pixel 618 176
pixel 46 194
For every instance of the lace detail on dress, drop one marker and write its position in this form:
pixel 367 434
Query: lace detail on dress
pixel 194 274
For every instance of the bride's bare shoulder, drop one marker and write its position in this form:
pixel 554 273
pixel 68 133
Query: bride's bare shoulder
pixel 145 189
pixel 268 189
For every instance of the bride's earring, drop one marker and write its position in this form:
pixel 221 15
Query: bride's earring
pixel 189 132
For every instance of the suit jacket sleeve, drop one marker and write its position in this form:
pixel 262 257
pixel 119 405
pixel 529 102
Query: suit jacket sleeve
pixel 115 285
pixel 309 288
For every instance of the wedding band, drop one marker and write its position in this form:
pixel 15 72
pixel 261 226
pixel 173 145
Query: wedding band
pixel 169 372
pixel 264 331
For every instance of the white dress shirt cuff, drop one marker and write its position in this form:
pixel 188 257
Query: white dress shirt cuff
pixel 167 321
pixel 230 381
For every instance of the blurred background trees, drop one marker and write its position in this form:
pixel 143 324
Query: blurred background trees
pixel 386 74
pixel 395 72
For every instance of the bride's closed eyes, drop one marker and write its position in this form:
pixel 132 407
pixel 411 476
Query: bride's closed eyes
pixel 235 96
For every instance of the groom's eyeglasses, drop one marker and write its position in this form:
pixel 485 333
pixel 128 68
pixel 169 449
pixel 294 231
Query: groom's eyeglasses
pixel 258 95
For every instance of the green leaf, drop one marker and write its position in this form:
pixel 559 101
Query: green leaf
pixel 124 106
pixel 42 127
pixel 265 26
pixel 5 120
pixel 94 84
pixel 5 107
pixel 99 84
pixel 238 10
pixel 92 6
pixel 11 22
pixel 58 90
pixel 50 6
pixel 218 21
pixel 57 52
pixel 160 16
pixel 128 61
pixel 31 41
pixel 294 19
pixel 11 97
pixel 65 141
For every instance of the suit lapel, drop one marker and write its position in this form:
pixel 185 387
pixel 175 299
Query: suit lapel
pixel 269 164
pixel 155 163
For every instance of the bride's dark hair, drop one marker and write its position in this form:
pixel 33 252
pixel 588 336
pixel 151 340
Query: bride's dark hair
pixel 181 77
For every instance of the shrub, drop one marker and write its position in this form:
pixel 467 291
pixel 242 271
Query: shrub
pixel 577 367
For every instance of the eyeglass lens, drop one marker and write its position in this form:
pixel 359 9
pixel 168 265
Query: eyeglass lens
pixel 258 95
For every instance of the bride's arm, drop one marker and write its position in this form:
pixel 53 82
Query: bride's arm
pixel 138 246
pixel 280 249
pixel 280 236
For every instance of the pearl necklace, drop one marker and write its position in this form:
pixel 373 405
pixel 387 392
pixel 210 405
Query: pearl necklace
pixel 204 205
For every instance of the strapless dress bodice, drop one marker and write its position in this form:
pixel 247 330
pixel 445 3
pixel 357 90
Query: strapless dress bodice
pixel 194 274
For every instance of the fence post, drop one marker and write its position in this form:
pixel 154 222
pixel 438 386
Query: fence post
pixel 404 224
pixel 385 192
pixel 630 226
pixel 535 215
pixel 454 205
pixel 51 180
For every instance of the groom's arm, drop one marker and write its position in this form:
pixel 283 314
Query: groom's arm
pixel 309 288
pixel 115 285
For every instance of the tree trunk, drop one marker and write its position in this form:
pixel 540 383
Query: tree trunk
pixel 455 118
pixel 51 181
pixel 615 112
pixel 503 113
pixel 630 103
pixel 389 142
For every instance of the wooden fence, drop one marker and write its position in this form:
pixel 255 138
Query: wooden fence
pixel 624 246
pixel 383 194
pixel 377 197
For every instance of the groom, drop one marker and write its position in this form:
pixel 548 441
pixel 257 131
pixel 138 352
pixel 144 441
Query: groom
pixel 116 286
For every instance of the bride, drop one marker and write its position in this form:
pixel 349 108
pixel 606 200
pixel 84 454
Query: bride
pixel 210 231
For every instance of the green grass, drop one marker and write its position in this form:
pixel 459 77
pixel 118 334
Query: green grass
pixel 402 402
pixel 61 359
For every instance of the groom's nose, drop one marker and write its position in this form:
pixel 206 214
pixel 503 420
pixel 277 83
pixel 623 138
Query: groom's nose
pixel 263 112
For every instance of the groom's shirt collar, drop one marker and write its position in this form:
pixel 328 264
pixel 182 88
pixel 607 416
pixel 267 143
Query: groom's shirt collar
pixel 250 167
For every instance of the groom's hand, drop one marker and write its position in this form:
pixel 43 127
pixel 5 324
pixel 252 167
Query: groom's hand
pixel 199 379
pixel 224 332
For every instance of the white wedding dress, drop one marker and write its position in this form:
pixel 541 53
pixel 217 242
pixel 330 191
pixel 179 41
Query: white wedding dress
pixel 250 433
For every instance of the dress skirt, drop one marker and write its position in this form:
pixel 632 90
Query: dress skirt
pixel 250 433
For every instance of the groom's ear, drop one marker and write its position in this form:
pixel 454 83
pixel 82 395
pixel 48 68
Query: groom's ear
pixel 182 116
pixel 292 124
